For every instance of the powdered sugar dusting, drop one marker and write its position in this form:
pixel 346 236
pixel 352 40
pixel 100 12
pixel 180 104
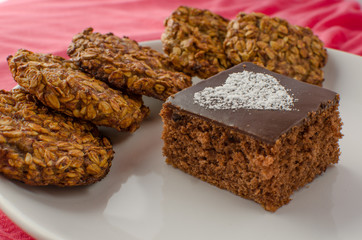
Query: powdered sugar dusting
pixel 246 90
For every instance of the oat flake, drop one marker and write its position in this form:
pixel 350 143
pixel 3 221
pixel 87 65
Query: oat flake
pixel 246 90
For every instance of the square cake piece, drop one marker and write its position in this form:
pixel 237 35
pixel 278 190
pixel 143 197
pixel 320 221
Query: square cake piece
pixel 256 133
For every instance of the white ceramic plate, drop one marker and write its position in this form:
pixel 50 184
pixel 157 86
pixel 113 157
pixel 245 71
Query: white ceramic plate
pixel 143 198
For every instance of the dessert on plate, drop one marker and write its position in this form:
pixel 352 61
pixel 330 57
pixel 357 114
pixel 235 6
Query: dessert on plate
pixel 193 38
pixel 202 43
pixel 39 146
pixel 256 133
pixel 277 45
pixel 125 65
pixel 59 84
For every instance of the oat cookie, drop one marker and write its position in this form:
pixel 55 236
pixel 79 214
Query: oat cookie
pixel 193 38
pixel 276 45
pixel 59 84
pixel 124 64
pixel 39 146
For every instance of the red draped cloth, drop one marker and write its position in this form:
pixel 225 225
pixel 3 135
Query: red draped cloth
pixel 48 26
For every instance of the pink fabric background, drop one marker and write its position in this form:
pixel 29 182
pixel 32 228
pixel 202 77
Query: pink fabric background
pixel 48 26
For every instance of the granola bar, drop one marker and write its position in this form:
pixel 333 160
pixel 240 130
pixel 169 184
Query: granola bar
pixel 59 84
pixel 39 146
pixel 276 45
pixel 193 38
pixel 124 64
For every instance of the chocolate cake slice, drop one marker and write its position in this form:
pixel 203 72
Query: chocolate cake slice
pixel 258 134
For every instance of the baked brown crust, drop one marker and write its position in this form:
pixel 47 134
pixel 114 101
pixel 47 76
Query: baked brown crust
pixel 193 38
pixel 124 64
pixel 39 146
pixel 275 44
pixel 267 174
pixel 59 84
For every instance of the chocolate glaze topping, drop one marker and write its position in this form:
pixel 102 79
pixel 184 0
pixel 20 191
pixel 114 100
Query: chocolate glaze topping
pixel 266 125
